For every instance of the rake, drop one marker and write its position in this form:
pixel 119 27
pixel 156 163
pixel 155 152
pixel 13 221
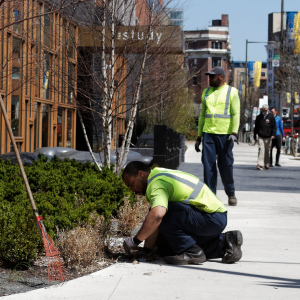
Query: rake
pixel 56 271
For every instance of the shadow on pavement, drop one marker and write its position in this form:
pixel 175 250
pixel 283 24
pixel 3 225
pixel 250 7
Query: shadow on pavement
pixel 285 282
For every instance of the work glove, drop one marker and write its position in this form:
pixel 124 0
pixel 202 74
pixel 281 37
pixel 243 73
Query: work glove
pixel 233 137
pixel 130 243
pixel 197 144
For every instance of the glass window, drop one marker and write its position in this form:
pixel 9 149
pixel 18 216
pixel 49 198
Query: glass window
pixel 45 125
pixel 194 80
pixel 71 82
pixel 36 124
pixel 216 62
pixel 71 42
pixel 176 15
pixel 15 102
pixel 46 76
pixel 16 17
pixel 69 128
pixel 47 29
pixel 217 45
pixel 59 126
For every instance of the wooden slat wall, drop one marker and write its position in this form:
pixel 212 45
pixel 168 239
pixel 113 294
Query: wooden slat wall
pixel 28 84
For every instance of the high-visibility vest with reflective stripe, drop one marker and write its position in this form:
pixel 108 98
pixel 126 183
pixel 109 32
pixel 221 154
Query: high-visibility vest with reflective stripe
pixel 217 114
pixel 187 189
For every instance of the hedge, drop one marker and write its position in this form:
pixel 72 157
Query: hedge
pixel 66 192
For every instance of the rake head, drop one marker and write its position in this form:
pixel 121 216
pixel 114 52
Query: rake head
pixel 56 270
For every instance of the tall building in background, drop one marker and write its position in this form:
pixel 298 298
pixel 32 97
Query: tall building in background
pixel 205 49
pixel 238 73
pixel 273 48
pixel 176 16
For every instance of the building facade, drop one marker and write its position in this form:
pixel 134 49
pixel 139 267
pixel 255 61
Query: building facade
pixel 176 16
pixel 205 49
pixel 38 65
pixel 238 76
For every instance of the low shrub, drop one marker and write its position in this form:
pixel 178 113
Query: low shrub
pixel 66 194
pixel 131 214
pixel 82 245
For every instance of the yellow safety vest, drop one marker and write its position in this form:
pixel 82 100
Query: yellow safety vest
pixel 187 189
pixel 217 114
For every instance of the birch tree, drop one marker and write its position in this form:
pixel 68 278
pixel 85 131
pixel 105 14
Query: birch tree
pixel 125 57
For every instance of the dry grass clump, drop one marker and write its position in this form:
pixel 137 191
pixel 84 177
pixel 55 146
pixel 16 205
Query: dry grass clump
pixel 82 245
pixel 130 215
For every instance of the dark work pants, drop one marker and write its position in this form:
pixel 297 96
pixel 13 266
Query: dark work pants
pixel 184 225
pixel 276 142
pixel 214 145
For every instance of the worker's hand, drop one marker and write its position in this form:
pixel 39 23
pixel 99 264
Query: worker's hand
pixel 129 244
pixel 197 144
pixel 233 137
pixel 272 137
pixel 283 139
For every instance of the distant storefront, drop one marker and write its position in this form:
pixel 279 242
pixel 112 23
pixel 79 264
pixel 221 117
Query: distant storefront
pixel 38 69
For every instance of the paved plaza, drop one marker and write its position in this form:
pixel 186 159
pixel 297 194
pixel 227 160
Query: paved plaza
pixel 268 214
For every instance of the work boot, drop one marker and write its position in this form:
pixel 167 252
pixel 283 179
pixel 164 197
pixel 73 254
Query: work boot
pixel 277 165
pixel 232 242
pixel 259 167
pixel 267 166
pixel 194 256
pixel 232 200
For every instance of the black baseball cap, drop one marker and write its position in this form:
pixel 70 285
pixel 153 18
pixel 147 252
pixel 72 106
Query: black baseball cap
pixel 216 71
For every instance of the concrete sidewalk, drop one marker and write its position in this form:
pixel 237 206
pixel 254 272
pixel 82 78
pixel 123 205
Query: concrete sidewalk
pixel 269 269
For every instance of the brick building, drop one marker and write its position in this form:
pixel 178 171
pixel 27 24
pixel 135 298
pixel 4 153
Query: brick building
pixel 205 49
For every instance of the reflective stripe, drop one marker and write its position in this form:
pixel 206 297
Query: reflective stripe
pixel 182 180
pixel 227 100
pixel 197 187
pixel 186 201
pixel 197 190
pixel 207 92
pixel 208 116
pixel 222 116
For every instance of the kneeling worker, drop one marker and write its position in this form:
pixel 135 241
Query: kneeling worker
pixel 186 212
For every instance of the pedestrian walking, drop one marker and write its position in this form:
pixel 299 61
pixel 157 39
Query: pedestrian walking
pixel 265 128
pixel 218 126
pixel 279 137
pixel 186 212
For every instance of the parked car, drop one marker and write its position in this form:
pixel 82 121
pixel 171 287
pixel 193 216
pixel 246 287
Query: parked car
pixel 83 156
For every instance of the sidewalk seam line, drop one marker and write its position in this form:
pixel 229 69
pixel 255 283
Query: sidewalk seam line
pixel 115 288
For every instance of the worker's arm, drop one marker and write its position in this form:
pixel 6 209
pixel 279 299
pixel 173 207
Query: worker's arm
pixel 235 110
pixel 151 240
pixel 201 116
pixel 151 223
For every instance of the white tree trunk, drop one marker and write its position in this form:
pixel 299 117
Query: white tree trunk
pixel 128 134
pixel 87 140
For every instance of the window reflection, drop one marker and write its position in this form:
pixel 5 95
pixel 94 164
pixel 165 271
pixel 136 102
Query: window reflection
pixel 45 125
pixel 46 76
pixel 69 128
pixel 15 101
pixel 59 127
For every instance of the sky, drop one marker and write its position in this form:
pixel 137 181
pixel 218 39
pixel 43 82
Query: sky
pixel 248 19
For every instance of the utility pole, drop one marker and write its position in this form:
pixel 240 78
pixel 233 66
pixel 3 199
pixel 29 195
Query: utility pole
pixel 280 52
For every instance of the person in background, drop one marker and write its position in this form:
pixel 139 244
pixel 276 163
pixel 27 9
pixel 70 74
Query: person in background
pixel 279 137
pixel 218 127
pixel 265 128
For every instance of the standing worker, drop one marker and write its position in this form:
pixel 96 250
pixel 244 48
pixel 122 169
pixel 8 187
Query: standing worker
pixel 218 126
pixel 265 128
pixel 277 141
pixel 185 212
